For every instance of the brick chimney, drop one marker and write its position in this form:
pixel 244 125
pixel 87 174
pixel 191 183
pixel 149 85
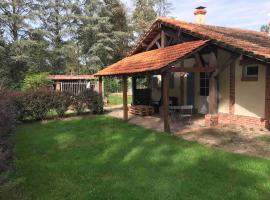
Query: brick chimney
pixel 200 13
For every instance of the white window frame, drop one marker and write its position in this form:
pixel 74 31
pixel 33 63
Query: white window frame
pixel 250 76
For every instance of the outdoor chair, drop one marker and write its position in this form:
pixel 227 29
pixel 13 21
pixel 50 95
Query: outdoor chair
pixel 184 112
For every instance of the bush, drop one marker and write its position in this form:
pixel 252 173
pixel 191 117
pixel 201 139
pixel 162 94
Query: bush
pixel 61 102
pixel 93 101
pixel 15 98
pixel 79 103
pixel 7 117
pixel 36 81
pixel 36 104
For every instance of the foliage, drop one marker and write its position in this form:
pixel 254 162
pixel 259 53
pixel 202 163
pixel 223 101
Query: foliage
pixel 53 156
pixel 36 81
pixel 36 104
pixel 111 85
pixel 79 103
pixel 143 16
pixel 61 102
pixel 265 28
pixel 60 37
pixel 97 104
pixel 8 117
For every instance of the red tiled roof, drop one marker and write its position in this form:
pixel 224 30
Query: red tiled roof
pixel 251 43
pixel 152 60
pixel 71 77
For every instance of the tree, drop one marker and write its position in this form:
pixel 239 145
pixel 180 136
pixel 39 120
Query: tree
pixel 5 74
pixel 14 17
pixel 116 12
pixel 265 28
pixel 143 16
pixel 55 17
pixel 97 37
pixel 163 7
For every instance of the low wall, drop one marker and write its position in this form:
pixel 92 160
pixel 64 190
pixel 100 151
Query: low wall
pixel 223 118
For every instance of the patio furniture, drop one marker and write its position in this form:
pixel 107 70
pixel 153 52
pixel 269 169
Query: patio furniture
pixel 184 112
pixel 142 110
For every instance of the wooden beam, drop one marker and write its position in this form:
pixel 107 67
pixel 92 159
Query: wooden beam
pixel 198 60
pixel 153 42
pixel 125 105
pixel 163 39
pixel 158 45
pixel 213 85
pixel 226 64
pixel 182 90
pixel 100 88
pixel 165 99
pixel 213 96
pixel 191 69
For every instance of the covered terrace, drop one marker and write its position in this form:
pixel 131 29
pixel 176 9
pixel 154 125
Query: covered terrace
pixel 165 61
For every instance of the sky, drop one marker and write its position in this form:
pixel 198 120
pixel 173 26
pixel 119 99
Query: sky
pixel 246 14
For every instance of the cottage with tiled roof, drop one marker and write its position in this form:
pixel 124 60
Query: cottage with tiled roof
pixel 221 73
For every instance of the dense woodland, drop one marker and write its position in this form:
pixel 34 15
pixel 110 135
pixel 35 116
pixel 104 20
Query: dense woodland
pixel 68 36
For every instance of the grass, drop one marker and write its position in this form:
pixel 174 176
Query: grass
pixel 106 158
pixel 265 138
pixel 117 99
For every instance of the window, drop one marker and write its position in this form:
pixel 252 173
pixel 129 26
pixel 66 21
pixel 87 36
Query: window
pixel 250 73
pixel 204 84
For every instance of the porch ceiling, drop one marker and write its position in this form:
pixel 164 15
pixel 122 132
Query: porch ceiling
pixel 154 60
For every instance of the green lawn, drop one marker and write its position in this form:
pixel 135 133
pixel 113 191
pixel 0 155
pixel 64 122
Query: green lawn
pixel 106 158
pixel 117 99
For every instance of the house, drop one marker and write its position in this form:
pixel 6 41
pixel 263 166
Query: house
pixel 223 72
pixel 74 83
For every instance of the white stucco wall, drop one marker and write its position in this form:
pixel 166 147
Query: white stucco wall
pixel 250 95
pixel 224 83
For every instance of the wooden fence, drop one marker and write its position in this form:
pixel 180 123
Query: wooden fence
pixel 77 87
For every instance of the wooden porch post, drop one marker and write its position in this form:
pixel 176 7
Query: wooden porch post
pixel 213 96
pixel 134 83
pixel 213 85
pixel 100 89
pixel 165 97
pixel 125 106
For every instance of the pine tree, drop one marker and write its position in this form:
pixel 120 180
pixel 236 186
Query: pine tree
pixel 143 16
pixel 55 16
pixel 15 17
pixel 96 37
pixel 117 14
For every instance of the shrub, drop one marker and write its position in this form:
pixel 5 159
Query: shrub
pixel 15 98
pixel 36 104
pixel 7 117
pixel 97 104
pixel 93 101
pixel 61 102
pixel 36 81
pixel 79 103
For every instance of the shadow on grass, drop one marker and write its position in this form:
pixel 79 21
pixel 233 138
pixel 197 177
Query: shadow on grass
pixel 106 158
